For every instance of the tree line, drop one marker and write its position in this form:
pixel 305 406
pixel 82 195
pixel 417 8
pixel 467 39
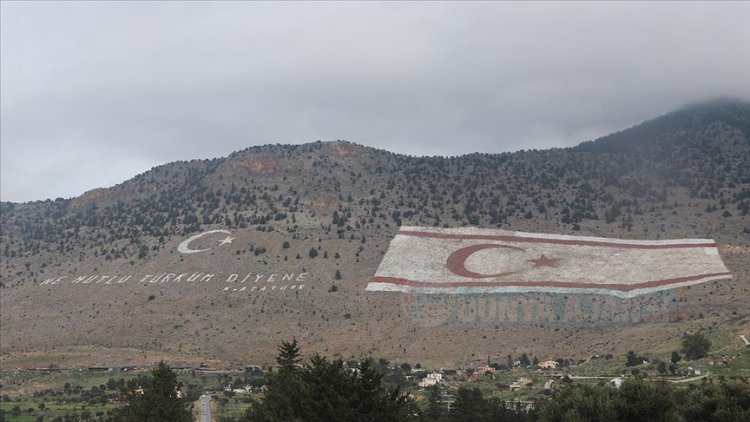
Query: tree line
pixel 319 389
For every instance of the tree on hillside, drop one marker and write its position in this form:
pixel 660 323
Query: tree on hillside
pixel 644 401
pixel 324 390
pixel 471 406
pixel 578 402
pixel 281 401
pixel 722 401
pixel 157 402
pixel 524 359
pixel 632 359
pixel 436 410
pixel 695 346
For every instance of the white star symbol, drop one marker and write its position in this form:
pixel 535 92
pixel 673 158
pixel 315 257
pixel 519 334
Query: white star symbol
pixel 227 240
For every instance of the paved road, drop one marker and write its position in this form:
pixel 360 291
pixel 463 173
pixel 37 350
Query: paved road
pixel 205 408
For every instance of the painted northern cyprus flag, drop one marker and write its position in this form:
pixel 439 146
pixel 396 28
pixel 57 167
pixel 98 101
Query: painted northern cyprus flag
pixel 471 260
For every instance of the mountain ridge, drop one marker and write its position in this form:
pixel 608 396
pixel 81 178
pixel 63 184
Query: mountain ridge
pixel 734 110
pixel 729 111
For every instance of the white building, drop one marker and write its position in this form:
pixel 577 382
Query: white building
pixel 549 364
pixel 431 379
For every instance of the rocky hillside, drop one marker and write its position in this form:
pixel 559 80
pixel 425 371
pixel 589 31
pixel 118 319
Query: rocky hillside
pixel 327 210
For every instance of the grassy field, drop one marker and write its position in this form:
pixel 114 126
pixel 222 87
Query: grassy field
pixel 29 409
pixel 85 394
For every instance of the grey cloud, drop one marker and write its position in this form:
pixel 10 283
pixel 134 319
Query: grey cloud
pixel 113 88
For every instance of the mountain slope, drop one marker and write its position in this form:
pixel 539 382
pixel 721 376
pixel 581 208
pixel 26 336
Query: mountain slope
pixel 717 115
pixel 322 208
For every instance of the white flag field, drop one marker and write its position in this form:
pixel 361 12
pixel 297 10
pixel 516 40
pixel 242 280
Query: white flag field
pixel 472 260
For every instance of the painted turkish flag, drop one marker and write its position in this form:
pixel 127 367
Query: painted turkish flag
pixel 472 260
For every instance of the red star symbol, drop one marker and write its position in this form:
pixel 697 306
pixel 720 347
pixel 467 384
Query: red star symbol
pixel 543 261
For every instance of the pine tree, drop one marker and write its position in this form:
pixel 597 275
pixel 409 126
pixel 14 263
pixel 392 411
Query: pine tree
pixel 284 389
pixel 469 406
pixel 158 401
pixel 289 355
pixel 324 390
pixel 436 410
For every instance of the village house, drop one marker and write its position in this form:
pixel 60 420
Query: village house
pixel 431 379
pixel 548 364
pixel 488 369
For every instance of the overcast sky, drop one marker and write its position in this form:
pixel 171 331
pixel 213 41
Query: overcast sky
pixel 95 93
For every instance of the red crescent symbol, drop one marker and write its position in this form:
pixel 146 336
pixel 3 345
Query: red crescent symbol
pixel 457 260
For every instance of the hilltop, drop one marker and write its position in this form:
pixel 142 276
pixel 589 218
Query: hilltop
pixel 328 210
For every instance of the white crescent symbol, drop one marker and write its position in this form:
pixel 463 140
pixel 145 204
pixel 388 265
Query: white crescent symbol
pixel 184 247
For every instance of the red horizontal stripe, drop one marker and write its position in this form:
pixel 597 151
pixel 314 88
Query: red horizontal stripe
pixel 573 242
pixel 577 285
